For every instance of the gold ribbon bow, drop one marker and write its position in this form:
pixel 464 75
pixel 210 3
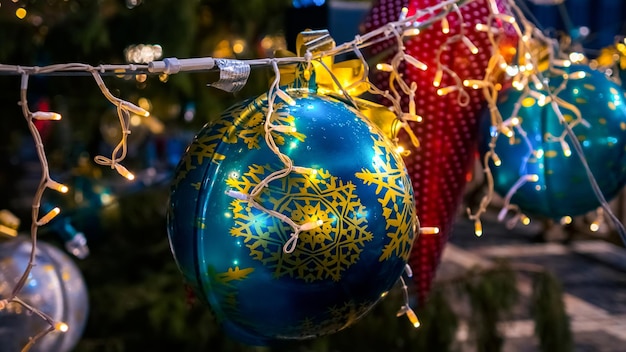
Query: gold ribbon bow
pixel 613 55
pixel 8 224
pixel 338 79
pixel 348 74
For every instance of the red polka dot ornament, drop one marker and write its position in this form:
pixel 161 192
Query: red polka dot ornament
pixel 453 51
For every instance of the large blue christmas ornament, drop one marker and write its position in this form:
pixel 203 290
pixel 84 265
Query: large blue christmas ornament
pixel 233 254
pixel 562 188
pixel 55 286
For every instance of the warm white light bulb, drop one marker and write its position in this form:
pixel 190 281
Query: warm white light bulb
pixel 411 32
pixel 496 159
pixel 311 225
pixel 48 217
pixel 304 170
pixel 284 128
pixel 135 109
pixel 61 327
pixel 576 57
pixel 506 131
pixel 566 149
pixel 44 115
pixel 384 67
pixel 285 97
pixel 506 18
pixel 57 186
pixel 403 13
pixel 446 90
pixel 445 26
pixel 566 220
pixel 473 83
pixel 429 230
pixel 409 117
pixel 478 228
pixel 532 178
pixel 124 172
pixel 468 43
pixel 415 62
pixel 437 79
pixel 413 318
pixel 563 63
pixel 236 194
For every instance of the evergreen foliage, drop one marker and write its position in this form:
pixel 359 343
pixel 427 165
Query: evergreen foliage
pixel 548 311
pixel 491 294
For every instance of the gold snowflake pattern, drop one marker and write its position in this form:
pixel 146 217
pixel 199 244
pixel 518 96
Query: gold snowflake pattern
pixel 201 150
pixel 396 200
pixel 222 284
pixel 337 319
pixel 321 253
pixel 233 274
pixel 243 122
pixel 249 123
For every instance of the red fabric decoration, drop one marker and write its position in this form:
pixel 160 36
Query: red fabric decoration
pixel 448 132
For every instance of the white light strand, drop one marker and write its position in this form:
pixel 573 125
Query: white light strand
pixel 528 71
pixel 119 153
pixel 172 66
pixel 592 181
pixel 463 98
pixel 516 186
pixel 406 27
pixel 273 93
pixel 44 183
pixel 124 108
pixel 397 80
pixel 494 67
pixel 406 308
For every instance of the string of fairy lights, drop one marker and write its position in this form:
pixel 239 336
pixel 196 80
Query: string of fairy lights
pixel 234 73
pixel 524 73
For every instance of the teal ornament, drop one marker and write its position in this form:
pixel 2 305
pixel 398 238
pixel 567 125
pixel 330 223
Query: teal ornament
pixel 55 286
pixel 233 254
pixel 562 188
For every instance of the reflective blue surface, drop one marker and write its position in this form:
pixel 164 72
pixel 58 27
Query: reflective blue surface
pixel 55 286
pixel 232 254
pixel 563 187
